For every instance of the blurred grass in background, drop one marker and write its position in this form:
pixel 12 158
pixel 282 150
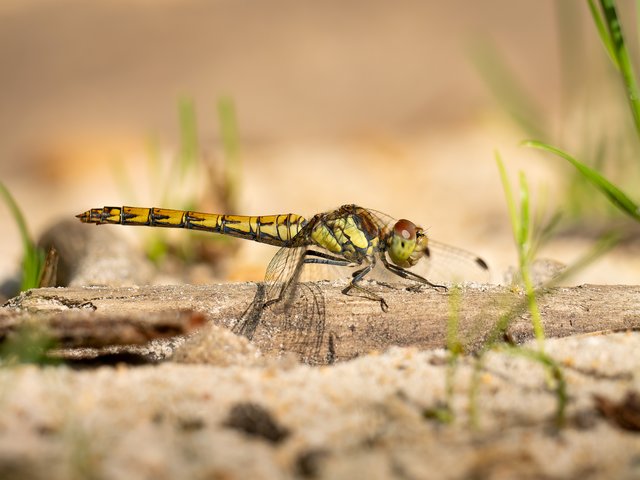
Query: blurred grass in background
pixel 191 180
pixel 600 119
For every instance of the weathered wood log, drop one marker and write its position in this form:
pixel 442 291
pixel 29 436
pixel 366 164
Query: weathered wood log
pixel 322 325
pixel 88 329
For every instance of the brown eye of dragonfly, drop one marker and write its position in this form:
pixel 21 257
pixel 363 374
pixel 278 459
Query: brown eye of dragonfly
pixel 405 229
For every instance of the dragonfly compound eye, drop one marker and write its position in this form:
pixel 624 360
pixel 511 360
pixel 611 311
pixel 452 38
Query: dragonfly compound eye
pixel 402 243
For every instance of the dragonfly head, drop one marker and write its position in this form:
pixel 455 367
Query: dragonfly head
pixel 407 244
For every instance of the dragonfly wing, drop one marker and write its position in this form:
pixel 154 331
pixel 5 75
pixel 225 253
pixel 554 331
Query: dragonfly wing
pixel 283 275
pixel 450 264
pixel 304 324
pixel 300 307
pixel 278 288
pixel 381 218
pixel 250 319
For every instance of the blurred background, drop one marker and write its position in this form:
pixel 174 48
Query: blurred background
pixel 292 106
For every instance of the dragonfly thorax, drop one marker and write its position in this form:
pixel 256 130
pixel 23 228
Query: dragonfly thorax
pixel 345 233
pixel 406 244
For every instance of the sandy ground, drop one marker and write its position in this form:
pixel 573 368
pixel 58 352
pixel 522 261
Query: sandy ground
pixel 368 418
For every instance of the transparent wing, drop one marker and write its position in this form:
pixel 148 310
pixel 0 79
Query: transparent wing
pixel 382 219
pixel 283 274
pixel 300 304
pixel 450 264
pixel 304 327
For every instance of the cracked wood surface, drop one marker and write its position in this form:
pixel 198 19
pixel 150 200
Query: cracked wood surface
pixel 81 326
pixel 323 325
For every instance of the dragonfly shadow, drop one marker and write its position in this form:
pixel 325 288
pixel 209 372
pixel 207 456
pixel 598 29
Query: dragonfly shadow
pixel 294 324
pixel 250 318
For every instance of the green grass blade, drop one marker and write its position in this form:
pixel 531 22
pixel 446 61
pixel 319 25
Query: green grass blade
pixel 496 334
pixel 605 37
pixel 27 244
pixel 511 205
pixel 454 344
pixel 613 193
pixel 16 213
pixel 602 246
pixel 32 264
pixel 521 226
pixel 622 59
pixel 32 256
pixel 525 216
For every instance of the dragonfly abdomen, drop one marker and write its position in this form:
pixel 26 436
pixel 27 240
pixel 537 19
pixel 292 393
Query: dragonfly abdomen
pixel 272 229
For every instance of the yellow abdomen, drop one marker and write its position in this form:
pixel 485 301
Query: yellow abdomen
pixel 276 230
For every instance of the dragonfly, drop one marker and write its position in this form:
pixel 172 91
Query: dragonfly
pixel 349 236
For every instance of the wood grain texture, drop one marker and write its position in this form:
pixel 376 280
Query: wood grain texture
pixel 323 325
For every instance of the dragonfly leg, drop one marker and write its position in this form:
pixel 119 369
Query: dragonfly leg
pixel 322 258
pixel 401 272
pixel 326 259
pixel 359 275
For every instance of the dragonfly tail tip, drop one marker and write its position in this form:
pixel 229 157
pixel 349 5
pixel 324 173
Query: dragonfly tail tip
pixel 85 217
pixel 482 263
